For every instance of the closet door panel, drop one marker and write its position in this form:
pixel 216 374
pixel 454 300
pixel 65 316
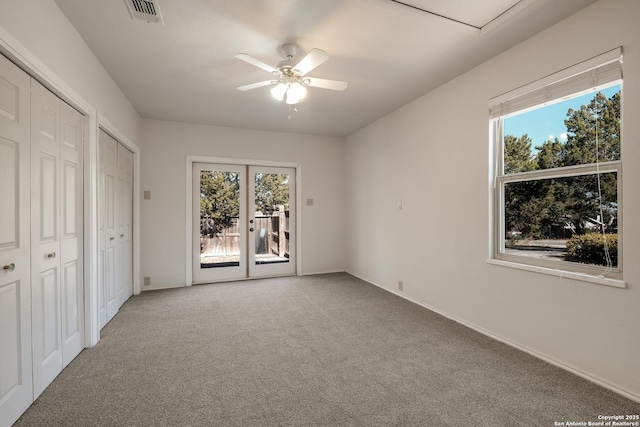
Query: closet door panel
pixel 45 237
pixel 71 316
pixel 56 230
pixel 109 227
pixel 71 233
pixel 10 193
pixel 47 349
pixel 125 224
pixel 102 191
pixel 16 386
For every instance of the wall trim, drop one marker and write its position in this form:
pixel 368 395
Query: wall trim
pixel 545 358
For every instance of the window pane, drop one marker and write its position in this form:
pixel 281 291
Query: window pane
pixel 563 218
pixel 577 131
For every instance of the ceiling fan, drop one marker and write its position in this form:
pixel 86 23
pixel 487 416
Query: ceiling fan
pixel 291 80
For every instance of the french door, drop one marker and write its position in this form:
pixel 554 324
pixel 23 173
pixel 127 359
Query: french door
pixel 243 222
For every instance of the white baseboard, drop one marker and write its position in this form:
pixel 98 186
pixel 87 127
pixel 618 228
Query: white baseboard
pixel 312 273
pixel 576 371
pixel 175 286
pixel 160 288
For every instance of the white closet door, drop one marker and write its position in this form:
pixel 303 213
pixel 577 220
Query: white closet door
pixel 102 224
pixel 71 233
pixel 56 235
pixel 108 227
pixel 45 238
pixel 16 387
pixel 125 225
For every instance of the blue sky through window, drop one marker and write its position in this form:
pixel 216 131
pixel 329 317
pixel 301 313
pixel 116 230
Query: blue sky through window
pixel 547 122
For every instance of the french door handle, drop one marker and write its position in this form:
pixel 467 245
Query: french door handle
pixel 9 267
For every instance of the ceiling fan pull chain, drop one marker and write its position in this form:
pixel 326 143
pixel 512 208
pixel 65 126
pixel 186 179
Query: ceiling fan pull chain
pixel 295 110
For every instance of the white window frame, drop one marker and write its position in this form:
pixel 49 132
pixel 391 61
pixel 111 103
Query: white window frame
pixel 596 73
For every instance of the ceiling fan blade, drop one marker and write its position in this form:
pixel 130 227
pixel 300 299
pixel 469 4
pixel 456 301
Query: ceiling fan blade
pixel 326 84
pixel 253 61
pixel 311 60
pixel 257 85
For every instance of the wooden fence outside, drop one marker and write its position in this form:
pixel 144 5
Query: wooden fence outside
pixel 271 237
pixel 225 243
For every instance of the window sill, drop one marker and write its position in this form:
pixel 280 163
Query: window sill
pixel 561 273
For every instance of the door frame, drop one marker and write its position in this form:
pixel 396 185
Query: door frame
pixel 191 159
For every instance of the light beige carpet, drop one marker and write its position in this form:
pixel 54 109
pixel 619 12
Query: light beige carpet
pixel 326 350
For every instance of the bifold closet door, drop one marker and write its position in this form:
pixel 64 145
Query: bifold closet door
pixel 108 157
pixel 115 224
pixel 16 387
pixel 124 249
pixel 56 235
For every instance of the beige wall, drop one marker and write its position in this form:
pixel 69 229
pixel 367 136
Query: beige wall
pixel 165 148
pixel 434 155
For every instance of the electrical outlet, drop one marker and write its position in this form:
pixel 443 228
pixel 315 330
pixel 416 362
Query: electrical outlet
pixel 400 285
pixel 147 281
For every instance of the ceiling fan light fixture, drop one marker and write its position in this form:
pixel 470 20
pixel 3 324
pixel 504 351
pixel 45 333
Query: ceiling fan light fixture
pixel 299 90
pixel 278 91
pixel 290 79
pixel 295 93
pixel 291 97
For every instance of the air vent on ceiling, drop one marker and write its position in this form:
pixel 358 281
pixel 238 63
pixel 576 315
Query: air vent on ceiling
pixel 147 10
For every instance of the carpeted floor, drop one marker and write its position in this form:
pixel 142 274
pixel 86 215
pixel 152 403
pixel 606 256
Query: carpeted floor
pixel 326 350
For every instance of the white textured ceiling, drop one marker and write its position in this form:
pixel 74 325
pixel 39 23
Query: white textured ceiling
pixel 390 52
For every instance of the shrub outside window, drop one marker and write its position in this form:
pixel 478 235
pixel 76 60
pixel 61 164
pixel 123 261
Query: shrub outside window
pixel 558 172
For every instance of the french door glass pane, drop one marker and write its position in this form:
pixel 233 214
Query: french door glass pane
pixel 271 218
pixel 219 219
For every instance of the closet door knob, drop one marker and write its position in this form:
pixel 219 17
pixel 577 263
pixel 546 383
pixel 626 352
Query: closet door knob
pixel 51 255
pixel 9 267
